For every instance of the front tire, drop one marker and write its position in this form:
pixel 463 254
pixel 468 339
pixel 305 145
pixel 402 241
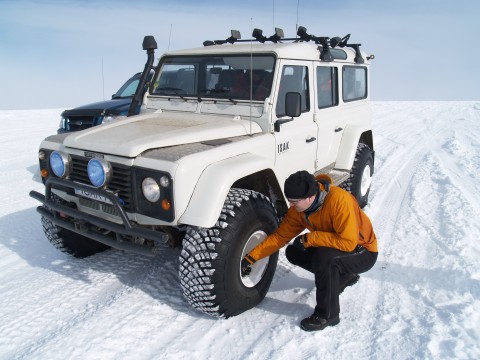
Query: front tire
pixel 360 180
pixel 68 241
pixel 210 260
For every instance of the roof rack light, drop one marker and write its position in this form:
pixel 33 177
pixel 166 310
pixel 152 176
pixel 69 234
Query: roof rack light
pixel 275 38
pixel 234 37
pixel 325 42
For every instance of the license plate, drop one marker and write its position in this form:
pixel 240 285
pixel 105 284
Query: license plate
pixel 93 196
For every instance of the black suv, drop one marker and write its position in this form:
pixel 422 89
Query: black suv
pixel 94 114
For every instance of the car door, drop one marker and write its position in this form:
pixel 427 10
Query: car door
pixel 296 140
pixel 328 115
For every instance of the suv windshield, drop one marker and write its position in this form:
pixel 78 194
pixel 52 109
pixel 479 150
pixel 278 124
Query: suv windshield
pixel 128 89
pixel 220 76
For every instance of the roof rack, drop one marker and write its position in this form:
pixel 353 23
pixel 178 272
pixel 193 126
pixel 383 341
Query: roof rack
pixel 325 42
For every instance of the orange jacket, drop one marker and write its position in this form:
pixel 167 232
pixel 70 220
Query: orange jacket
pixel 339 223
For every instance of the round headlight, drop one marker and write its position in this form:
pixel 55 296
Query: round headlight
pixel 99 172
pixel 150 189
pixel 60 163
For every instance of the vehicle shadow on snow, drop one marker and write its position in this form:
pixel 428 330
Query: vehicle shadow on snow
pixel 156 276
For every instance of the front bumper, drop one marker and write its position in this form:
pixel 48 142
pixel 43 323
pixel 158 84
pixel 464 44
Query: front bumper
pixel 115 235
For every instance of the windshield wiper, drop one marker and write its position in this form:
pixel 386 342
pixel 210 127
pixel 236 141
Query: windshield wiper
pixel 169 89
pixel 172 89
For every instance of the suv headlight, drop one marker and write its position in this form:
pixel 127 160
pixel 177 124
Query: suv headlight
pixel 150 189
pixel 154 194
pixel 110 118
pixel 60 163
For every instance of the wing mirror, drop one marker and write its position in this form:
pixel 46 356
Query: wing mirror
pixel 293 108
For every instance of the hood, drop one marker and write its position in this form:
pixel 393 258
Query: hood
pixel 108 107
pixel 134 135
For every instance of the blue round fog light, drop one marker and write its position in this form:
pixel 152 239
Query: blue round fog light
pixel 60 164
pixel 99 172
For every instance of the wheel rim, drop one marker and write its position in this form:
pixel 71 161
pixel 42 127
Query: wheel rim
pixel 366 180
pixel 259 268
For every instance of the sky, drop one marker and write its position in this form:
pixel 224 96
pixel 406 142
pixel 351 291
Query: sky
pixel 63 54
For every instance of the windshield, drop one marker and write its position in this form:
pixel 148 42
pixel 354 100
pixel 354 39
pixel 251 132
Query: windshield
pixel 220 76
pixel 128 89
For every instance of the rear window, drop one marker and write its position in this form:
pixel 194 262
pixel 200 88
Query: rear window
pixel 354 83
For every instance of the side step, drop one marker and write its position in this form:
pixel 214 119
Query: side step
pixel 339 176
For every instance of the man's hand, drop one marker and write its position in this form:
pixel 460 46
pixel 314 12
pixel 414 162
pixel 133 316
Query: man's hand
pixel 246 267
pixel 298 243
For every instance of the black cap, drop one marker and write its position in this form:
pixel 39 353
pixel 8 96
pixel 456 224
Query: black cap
pixel 300 185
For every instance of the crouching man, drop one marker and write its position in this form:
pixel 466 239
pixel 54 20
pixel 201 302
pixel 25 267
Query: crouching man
pixel 340 243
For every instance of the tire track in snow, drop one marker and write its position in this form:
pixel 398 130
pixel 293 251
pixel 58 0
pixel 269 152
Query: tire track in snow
pixel 87 300
pixel 449 162
pixel 391 184
pixel 408 337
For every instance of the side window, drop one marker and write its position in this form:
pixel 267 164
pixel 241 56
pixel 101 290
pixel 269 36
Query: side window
pixel 327 88
pixel 294 79
pixel 354 83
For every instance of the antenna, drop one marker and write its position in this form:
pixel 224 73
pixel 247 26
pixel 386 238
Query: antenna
pixel 251 76
pixel 296 25
pixel 273 14
pixel 169 37
pixel 103 83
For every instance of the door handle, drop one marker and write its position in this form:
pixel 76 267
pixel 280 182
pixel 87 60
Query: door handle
pixel 338 129
pixel 311 139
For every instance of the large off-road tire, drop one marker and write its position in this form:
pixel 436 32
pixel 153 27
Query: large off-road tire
pixel 360 180
pixel 210 259
pixel 69 242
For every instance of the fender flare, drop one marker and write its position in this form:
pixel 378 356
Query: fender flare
pixel 213 185
pixel 348 146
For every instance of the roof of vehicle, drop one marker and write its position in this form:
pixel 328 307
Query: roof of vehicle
pixel 290 50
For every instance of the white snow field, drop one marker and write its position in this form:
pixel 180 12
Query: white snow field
pixel 420 301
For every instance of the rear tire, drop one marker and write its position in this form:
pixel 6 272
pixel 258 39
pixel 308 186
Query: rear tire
pixel 210 260
pixel 360 180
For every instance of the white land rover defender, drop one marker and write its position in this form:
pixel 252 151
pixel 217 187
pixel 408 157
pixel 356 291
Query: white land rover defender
pixel 203 166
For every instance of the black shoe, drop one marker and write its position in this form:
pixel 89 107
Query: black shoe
pixel 351 281
pixel 316 323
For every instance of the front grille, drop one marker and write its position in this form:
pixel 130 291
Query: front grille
pixel 120 183
pixel 81 122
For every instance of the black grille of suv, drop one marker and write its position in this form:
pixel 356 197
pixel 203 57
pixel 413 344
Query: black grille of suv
pixel 121 182
pixel 81 122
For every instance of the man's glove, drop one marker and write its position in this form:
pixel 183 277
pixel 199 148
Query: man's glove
pixel 246 267
pixel 298 243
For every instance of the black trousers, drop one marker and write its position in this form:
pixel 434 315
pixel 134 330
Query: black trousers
pixel 332 269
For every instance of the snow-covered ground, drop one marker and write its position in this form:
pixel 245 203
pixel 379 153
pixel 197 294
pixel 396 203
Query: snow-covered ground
pixel 420 301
